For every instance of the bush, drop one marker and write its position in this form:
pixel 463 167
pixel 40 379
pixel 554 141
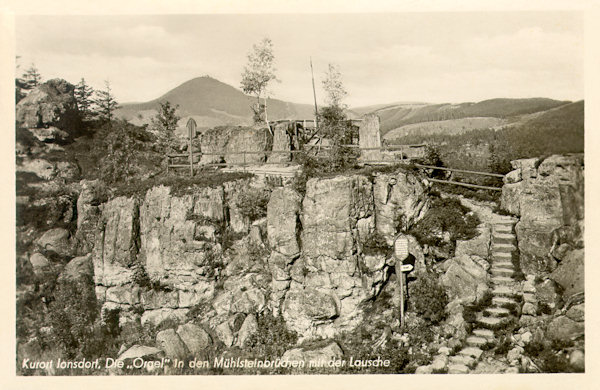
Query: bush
pixel 252 203
pixel 273 337
pixel 445 215
pixel 428 298
pixel 72 316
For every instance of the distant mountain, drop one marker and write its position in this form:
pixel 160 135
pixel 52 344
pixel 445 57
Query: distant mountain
pixel 395 116
pixel 211 103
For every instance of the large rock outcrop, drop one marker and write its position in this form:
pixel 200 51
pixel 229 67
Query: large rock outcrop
pixel 159 255
pixel 548 196
pixel 327 283
pixel 370 137
pixel 281 144
pixel 400 200
pixel 50 104
pixel 225 143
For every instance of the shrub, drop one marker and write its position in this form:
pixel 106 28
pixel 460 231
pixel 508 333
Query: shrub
pixel 445 215
pixel 273 337
pixel 375 245
pixel 252 203
pixel 428 298
pixel 72 315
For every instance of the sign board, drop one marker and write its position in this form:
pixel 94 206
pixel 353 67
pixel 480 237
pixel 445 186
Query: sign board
pixel 191 125
pixel 401 248
pixel 406 267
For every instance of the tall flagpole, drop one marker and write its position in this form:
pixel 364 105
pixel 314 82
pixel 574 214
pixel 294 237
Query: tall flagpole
pixel 314 93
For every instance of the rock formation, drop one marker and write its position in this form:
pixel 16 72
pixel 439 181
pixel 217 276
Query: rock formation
pixel 50 104
pixel 548 197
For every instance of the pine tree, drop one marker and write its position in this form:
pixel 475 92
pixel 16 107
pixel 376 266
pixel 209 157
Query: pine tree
pixel 105 104
pixel 32 77
pixel 165 124
pixel 83 95
pixel 20 85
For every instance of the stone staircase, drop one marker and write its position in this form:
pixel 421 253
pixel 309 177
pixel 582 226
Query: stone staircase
pixel 504 293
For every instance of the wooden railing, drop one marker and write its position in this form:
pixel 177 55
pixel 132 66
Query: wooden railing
pixel 291 153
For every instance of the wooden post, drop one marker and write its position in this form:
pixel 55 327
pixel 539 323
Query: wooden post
pixel 314 95
pixel 401 253
pixel 191 125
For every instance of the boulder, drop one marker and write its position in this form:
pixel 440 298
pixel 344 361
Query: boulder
pixel 329 352
pixel 465 278
pixel 577 360
pixel 225 334
pixel 39 263
pixel 547 292
pixel 57 240
pixel 52 103
pixel 50 134
pixel 478 246
pixel 171 344
pixel 43 169
pixel 577 313
pixel 570 273
pixel 563 328
pixel 195 338
pixel 247 330
pixel 304 307
pixel 156 317
pixel 79 268
pixel 140 351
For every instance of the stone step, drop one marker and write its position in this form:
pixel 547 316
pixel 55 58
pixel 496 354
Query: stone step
pixel 496 312
pixel 502 271
pixel 501 254
pixel 503 247
pixel 485 333
pixel 503 236
pixel 493 322
pixel 458 369
pixel 471 351
pixel 503 228
pixel 476 341
pixel 505 291
pixel 529 297
pixel 501 301
pixel 503 264
pixel 502 257
pixel 502 280
pixel 466 360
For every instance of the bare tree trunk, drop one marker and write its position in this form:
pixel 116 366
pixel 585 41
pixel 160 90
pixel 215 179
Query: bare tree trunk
pixel 267 117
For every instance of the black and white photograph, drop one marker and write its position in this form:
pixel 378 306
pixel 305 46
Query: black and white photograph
pixel 299 194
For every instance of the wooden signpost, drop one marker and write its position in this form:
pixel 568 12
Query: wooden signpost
pixel 401 253
pixel 191 125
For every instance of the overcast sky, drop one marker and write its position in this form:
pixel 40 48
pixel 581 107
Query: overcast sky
pixel 425 57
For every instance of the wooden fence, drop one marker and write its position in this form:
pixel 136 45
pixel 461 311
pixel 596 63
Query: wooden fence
pixel 245 163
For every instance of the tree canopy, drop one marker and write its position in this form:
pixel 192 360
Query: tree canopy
pixel 258 74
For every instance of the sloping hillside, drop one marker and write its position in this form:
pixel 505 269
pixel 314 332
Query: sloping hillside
pixel 398 115
pixel 447 127
pixel 212 103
